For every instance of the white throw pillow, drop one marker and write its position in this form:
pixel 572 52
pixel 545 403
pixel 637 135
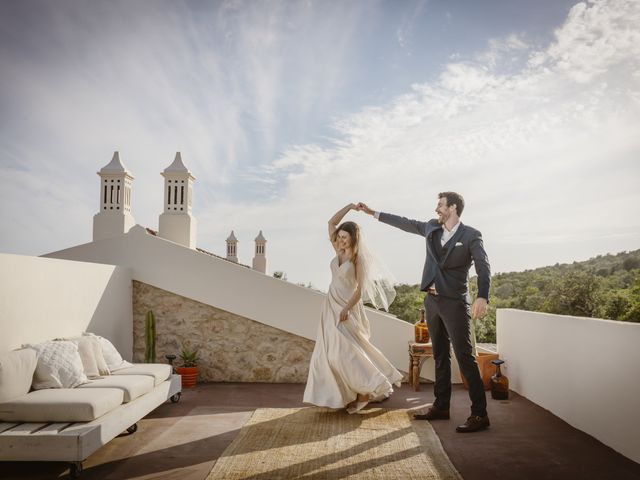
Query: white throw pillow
pixel 111 355
pixel 16 373
pixel 85 349
pixel 91 354
pixel 103 368
pixel 59 365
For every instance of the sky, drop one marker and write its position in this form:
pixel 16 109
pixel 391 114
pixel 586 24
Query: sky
pixel 285 111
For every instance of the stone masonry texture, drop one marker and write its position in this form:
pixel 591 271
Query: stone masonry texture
pixel 231 348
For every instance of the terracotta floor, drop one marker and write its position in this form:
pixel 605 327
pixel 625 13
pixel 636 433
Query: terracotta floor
pixel 182 441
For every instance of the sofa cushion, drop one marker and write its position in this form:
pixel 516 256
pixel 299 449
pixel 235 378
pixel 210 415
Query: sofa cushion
pixel 16 373
pixel 111 355
pixel 133 386
pixel 61 405
pixel 59 365
pixel 159 371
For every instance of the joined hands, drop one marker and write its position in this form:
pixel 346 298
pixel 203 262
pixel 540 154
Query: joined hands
pixel 362 207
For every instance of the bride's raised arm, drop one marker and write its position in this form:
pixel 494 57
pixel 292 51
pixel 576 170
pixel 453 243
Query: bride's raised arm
pixel 336 219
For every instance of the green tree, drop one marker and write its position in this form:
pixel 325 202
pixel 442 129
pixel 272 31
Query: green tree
pixel 576 293
pixel 614 306
pixel 632 314
pixel 485 329
pixel 409 300
pixel 280 275
pixel 505 290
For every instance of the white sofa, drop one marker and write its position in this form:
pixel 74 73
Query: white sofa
pixel 69 424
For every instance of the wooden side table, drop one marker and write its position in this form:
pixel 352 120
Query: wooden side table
pixel 418 353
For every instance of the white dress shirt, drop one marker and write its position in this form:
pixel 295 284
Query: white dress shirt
pixel 447 234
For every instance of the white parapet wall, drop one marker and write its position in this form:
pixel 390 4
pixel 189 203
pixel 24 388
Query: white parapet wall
pixel 583 370
pixel 234 288
pixel 44 298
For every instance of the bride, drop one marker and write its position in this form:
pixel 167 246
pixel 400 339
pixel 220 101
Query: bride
pixel 346 370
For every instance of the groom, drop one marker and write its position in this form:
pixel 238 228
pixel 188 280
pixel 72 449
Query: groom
pixel 451 248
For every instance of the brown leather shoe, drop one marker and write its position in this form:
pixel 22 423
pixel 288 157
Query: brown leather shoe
pixel 432 413
pixel 474 424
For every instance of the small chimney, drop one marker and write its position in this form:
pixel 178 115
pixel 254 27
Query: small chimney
pixel 232 248
pixel 260 258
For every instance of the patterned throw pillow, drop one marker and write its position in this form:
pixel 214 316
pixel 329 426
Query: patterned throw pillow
pixel 59 365
pixel 91 354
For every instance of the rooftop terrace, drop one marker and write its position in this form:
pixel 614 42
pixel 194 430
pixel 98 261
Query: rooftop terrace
pixel 183 441
pixel 575 409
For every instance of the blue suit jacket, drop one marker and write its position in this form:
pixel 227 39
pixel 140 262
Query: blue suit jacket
pixel 449 270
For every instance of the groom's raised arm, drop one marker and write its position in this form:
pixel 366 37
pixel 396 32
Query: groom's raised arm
pixel 403 223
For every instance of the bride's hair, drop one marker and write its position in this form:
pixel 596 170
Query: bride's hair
pixel 353 230
pixel 377 281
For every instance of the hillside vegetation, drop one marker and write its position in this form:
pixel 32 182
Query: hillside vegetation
pixel 607 286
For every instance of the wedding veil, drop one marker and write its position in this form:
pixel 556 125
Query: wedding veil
pixel 377 284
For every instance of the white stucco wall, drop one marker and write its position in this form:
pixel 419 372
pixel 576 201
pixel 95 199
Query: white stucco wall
pixel 583 370
pixel 234 288
pixel 44 298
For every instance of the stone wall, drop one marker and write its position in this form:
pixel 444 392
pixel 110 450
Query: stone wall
pixel 232 348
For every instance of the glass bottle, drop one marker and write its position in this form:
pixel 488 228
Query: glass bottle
pixel 499 383
pixel 421 330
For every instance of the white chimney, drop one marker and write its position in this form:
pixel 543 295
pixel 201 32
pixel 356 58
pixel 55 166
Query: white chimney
pixel 176 222
pixel 114 217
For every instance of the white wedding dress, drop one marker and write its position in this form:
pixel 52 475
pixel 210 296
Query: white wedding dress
pixel 344 362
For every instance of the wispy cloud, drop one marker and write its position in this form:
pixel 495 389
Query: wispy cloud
pixel 543 155
pixel 223 82
pixel 404 33
pixel 265 101
pixel 505 50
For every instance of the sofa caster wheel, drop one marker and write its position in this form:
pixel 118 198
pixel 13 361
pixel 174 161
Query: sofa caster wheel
pixel 176 398
pixel 133 428
pixel 75 469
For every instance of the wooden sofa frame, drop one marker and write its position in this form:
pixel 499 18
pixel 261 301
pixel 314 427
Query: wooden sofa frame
pixel 74 442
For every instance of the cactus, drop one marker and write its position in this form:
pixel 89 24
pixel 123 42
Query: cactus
pixel 150 338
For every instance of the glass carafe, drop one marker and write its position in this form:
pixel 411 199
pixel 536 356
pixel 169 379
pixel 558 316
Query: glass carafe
pixel 499 383
pixel 421 330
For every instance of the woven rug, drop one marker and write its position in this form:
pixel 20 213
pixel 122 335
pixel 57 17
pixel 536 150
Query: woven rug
pixel 316 443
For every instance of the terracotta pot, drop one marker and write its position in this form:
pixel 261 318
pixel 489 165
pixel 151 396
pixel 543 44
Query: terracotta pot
pixel 485 367
pixel 189 376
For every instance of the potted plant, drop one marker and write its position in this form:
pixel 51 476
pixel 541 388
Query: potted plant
pixel 189 367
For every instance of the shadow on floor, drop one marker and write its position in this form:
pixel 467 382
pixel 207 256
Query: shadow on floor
pixel 182 441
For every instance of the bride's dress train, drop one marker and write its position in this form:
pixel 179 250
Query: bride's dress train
pixel 344 362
